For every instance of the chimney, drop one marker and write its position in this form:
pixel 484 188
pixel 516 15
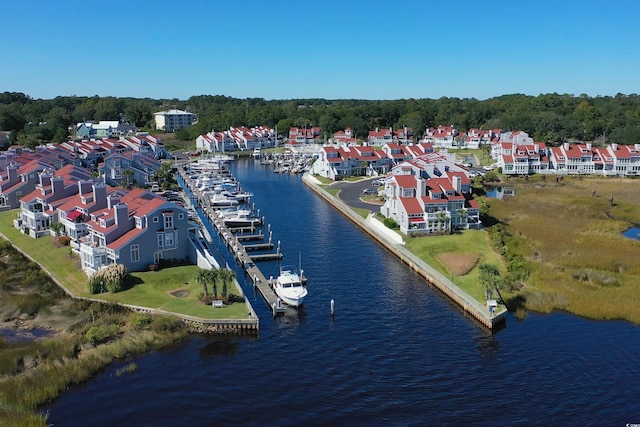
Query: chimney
pixel 12 174
pixel 457 184
pixel 536 148
pixel 121 213
pixel 100 194
pixel 57 185
pixel 566 146
pixel 421 187
pixel 112 200
pixel 614 146
pixel 84 187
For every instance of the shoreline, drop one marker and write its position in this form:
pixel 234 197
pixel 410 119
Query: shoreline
pixel 464 301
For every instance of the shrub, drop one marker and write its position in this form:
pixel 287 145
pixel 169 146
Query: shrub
pixel 101 334
pixel 64 240
pixel 154 267
pixel 141 321
pixel 390 223
pixel 111 278
pixel 166 324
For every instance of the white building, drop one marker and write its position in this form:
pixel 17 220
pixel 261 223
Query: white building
pixel 173 120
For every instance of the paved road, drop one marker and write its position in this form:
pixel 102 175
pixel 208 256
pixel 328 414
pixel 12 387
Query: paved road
pixel 350 193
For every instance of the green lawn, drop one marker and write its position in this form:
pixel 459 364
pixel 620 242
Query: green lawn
pixel 151 289
pixel 469 241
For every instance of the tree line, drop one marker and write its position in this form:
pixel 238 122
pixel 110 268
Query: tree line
pixel 552 118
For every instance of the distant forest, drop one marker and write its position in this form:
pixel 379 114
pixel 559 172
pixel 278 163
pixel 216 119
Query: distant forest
pixel 551 118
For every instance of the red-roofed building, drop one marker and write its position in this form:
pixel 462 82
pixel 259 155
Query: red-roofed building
pixel 304 135
pixel 573 158
pixel 522 159
pixel 235 139
pixel 344 137
pixel 425 199
pixel 337 162
pixel 135 228
pixel 381 137
pixel 441 137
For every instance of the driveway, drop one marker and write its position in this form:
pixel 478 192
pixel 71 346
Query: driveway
pixel 350 193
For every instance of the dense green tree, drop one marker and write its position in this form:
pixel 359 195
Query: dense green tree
pixel 551 118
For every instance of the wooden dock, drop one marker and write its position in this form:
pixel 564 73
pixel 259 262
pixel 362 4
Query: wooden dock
pixel 258 247
pixel 233 238
pixel 243 237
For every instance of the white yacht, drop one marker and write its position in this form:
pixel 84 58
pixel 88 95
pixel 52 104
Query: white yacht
pixel 290 287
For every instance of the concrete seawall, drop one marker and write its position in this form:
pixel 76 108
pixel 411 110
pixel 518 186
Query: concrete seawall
pixel 394 243
pixel 194 324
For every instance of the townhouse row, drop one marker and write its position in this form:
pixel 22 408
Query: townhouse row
pixel 107 225
pixel 237 139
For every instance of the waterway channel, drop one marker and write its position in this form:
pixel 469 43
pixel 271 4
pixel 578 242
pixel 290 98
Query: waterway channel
pixel 396 352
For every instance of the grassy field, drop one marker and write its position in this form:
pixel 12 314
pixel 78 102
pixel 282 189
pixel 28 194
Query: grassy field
pixel 457 256
pixel 152 289
pixel 571 236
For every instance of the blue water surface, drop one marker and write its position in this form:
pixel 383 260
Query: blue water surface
pixel 397 351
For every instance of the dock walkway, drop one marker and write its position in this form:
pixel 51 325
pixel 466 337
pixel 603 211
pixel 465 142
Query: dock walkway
pixel 234 238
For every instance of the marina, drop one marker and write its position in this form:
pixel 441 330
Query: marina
pixel 393 336
pixel 237 226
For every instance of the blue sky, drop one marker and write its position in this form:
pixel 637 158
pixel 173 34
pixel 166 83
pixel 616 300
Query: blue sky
pixel 283 49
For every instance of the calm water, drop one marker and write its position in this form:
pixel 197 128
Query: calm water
pixel 396 352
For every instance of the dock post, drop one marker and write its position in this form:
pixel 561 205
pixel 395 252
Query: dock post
pixel 332 308
pixel 270 235
pixel 278 251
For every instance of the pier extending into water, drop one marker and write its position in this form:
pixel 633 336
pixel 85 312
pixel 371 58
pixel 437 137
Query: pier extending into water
pixel 234 238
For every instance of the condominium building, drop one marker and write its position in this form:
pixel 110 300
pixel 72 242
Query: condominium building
pixel 173 120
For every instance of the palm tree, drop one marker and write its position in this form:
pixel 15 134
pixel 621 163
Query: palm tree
pixel 213 276
pixel 202 278
pixel 463 216
pixel 489 278
pixel 128 173
pixel 442 218
pixel 57 228
pixel 226 276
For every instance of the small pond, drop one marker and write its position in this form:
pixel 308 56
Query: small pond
pixel 24 335
pixel 632 233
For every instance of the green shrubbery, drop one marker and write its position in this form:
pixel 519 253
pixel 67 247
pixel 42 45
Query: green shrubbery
pixel 390 223
pixel 110 279
pixel 101 334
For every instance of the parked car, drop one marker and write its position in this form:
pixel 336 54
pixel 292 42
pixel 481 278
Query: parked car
pixel 370 191
pixel 377 182
pixel 487 168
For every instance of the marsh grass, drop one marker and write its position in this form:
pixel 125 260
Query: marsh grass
pixel 131 367
pixel 36 371
pixel 580 262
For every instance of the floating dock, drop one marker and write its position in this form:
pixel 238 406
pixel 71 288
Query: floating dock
pixel 233 238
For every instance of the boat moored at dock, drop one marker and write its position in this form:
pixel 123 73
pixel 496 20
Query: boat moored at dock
pixel 290 287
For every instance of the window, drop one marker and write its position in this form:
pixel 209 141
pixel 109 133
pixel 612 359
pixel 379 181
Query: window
pixel 180 216
pixel 168 221
pixel 160 241
pixel 168 239
pixel 155 219
pixel 135 253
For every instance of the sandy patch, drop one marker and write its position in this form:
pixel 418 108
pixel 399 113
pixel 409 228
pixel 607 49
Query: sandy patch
pixel 459 264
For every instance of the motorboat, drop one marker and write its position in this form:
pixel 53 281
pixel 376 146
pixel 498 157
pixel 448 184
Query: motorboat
pixel 256 153
pixel 290 287
pixel 241 218
pixel 218 200
pixel 241 196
